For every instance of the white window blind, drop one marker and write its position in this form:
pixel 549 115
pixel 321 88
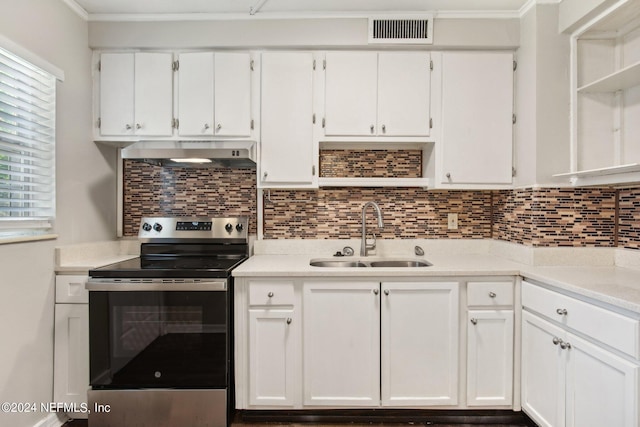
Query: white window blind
pixel 27 146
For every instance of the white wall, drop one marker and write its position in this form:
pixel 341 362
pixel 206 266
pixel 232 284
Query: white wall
pixel 542 99
pixel 85 204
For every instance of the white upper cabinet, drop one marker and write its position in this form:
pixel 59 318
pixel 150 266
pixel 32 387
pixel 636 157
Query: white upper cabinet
pixel 377 94
pixel 195 93
pixel 214 94
pixel 288 155
pixel 136 93
pixel 232 94
pixel 404 87
pixel 351 80
pixel 476 143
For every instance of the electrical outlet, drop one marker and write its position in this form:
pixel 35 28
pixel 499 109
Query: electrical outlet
pixel 452 221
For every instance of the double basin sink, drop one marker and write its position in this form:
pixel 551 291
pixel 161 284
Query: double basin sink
pixel 376 263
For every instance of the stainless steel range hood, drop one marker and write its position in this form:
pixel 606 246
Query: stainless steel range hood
pixel 193 154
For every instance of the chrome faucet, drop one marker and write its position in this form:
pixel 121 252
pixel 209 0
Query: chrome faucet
pixel 364 247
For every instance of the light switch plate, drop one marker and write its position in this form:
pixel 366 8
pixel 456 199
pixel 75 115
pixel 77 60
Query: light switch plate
pixel 452 221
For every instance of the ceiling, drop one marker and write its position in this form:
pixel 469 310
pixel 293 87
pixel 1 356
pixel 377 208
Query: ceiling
pixel 97 9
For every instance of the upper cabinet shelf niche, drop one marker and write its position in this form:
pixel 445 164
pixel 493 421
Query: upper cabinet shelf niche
pixel 605 129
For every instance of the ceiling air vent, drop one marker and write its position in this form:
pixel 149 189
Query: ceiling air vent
pixel 401 30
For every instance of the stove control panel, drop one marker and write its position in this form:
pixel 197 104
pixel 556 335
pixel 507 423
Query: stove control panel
pixel 193 228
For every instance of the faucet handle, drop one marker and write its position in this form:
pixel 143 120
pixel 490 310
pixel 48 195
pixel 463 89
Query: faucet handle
pixel 371 246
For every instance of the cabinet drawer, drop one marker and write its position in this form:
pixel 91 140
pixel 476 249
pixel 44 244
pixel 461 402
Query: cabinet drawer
pixel 489 294
pixel 271 293
pixel 614 329
pixel 70 289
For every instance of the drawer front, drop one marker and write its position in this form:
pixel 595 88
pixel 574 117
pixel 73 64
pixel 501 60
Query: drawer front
pixel 611 328
pixel 271 293
pixel 489 294
pixel 70 289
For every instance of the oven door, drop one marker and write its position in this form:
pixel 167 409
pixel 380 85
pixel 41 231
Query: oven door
pixel 158 338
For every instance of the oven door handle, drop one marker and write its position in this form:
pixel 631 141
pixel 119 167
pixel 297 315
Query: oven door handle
pixel 131 286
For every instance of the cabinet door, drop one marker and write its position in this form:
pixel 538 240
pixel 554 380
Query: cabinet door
pixel 351 80
pixel 195 94
pixel 477 111
pixel 271 357
pixel 404 93
pixel 341 351
pixel 602 389
pixel 153 94
pixel 71 354
pixel 287 153
pixel 233 94
pixel 543 372
pixel 116 94
pixel 490 358
pixel 419 344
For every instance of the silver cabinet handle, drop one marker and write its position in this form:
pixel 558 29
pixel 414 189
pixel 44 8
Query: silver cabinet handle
pixel 565 346
pixel 386 291
pixel 448 175
pixel 384 129
pixel 375 292
pixel 289 320
pixel 492 294
pixel 562 311
pixel 474 321
pixel 270 294
pixel 206 125
pixel 128 126
pixel 556 341
pixel 264 176
pixel 218 127
pixel 371 127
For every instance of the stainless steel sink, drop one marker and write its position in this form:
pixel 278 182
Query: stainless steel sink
pixel 377 263
pixel 332 263
pixel 400 263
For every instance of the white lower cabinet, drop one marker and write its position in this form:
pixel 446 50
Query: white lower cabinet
pixel 490 358
pixel 331 342
pixel 71 342
pixel 419 349
pixel 568 380
pixel 271 357
pixel 341 352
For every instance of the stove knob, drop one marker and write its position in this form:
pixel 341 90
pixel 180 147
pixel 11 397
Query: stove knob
pixel 157 227
pixel 146 226
pixel 239 227
pixel 228 227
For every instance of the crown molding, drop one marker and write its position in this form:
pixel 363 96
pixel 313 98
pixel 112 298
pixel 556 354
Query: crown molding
pixel 531 3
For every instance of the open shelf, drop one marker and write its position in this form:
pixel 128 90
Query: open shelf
pixel 612 170
pixel 620 80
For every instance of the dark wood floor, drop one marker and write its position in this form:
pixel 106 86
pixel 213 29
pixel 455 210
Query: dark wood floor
pixel 511 420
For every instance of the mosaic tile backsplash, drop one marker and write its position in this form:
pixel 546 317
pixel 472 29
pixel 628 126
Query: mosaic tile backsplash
pixel 537 217
pixel 371 163
pixel 154 190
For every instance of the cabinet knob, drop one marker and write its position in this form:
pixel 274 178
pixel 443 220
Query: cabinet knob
pixel 565 346
pixel 384 129
pixel 375 292
pixel 206 125
pixel 562 311
pixel 386 291
pixel 138 126
pixel 492 294
pixel 556 341
pixel 264 176
pixel 270 294
pixel 289 320
pixel 128 127
pixel 448 175
pixel 474 321
pixel 371 128
pixel 218 127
